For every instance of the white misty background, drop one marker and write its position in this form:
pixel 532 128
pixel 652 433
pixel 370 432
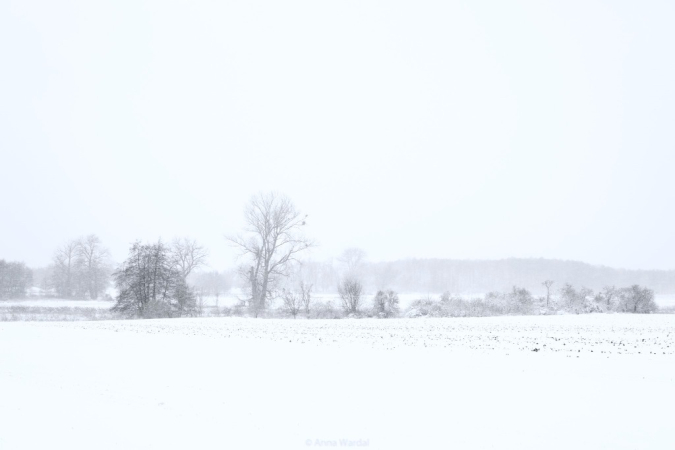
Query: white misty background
pixel 432 129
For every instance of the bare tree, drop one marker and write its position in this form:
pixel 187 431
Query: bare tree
pixel 15 279
pixel 350 293
pixel 352 260
pixel 188 255
pixel 65 273
pixel 271 242
pixel 93 262
pixel 548 284
pixel 292 302
pixel 306 296
pixel 608 294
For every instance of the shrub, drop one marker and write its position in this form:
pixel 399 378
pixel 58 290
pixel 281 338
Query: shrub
pixel 578 301
pixel 520 301
pixel 427 307
pixel 636 299
pixel 385 304
pixel 325 310
pixel 350 293
pixel 292 302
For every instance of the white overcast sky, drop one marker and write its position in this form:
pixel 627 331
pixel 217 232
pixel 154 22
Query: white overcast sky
pixel 449 129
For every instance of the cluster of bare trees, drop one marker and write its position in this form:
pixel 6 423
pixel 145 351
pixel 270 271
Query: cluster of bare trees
pixel 516 301
pixel 270 247
pixel 15 279
pixel 520 301
pixel 385 303
pixel 152 282
pixel 633 299
pixel 297 300
pixel 81 268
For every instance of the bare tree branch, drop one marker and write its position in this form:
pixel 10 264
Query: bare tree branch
pixel 188 255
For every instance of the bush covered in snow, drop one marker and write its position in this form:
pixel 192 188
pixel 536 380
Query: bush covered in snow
pixel 636 299
pixel 385 304
pixel 325 310
pixel 519 301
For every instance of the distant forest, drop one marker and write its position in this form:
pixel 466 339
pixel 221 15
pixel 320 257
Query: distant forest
pixel 432 276
pixel 478 276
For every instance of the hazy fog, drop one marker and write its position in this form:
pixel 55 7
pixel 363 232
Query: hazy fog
pixel 409 129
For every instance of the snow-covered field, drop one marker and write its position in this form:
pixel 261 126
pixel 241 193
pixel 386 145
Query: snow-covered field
pixel 594 381
pixel 58 303
pixel 44 309
pixel 664 300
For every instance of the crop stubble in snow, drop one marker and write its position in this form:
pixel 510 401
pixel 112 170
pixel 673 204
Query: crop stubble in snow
pixel 569 334
pixel 586 381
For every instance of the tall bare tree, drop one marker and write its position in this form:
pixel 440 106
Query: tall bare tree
pixel 547 284
pixel 306 296
pixel 271 242
pixel 188 255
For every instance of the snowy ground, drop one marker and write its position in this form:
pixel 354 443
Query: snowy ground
pixel 597 381
pixel 57 303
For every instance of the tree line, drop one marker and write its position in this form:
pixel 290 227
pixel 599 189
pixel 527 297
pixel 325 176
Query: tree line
pixel 273 240
pixel 517 301
pixel 479 277
pixel 520 301
pixel 159 279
